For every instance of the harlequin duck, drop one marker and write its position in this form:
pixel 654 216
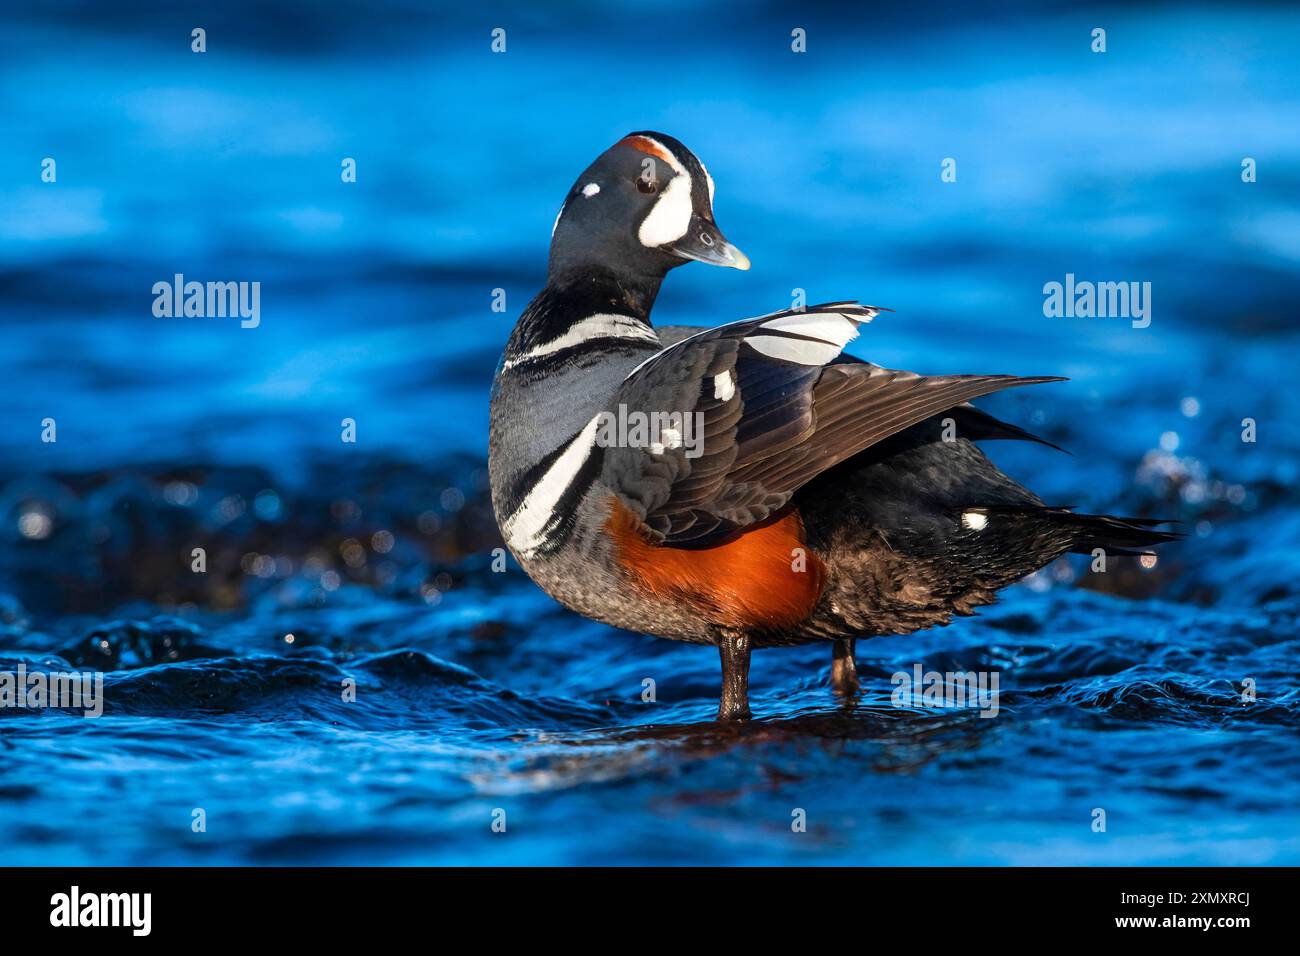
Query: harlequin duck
pixel 747 485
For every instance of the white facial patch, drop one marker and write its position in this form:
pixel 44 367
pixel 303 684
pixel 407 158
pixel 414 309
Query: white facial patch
pixel 525 530
pixel 974 520
pixel 590 189
pixel 599 326
pixel 670 216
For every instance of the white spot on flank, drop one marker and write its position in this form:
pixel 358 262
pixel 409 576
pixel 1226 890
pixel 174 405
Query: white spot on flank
pixel 671 215
pixel 724 386
pixel 525 529
pixel 598 326
pixel 590 189
pixel 974 520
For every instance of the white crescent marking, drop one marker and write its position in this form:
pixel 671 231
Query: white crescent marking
pixel 670 217
pixel 525 528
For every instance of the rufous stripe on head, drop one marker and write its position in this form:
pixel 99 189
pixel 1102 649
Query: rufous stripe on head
pixel 652 147
pixel 647 145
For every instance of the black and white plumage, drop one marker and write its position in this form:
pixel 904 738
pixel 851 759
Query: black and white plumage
pixel 778 411
pixel 783 492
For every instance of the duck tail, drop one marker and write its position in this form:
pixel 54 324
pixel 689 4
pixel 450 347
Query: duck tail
pixel 1114 535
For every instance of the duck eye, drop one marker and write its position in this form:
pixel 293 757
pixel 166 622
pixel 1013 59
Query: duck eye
pixel 645 185
pixel 706 239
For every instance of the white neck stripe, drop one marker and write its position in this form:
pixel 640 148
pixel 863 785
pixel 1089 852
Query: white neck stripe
pixel 602 325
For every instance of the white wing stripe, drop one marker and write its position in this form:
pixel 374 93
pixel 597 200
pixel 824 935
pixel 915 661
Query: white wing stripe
pixel 831 327
pixel 802 351
pixel 866 314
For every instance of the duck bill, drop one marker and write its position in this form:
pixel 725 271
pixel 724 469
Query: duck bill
pixel 704 242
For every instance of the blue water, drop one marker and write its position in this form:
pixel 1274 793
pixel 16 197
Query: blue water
pixel 476 693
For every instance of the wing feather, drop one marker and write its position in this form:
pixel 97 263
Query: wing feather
pixel 791 409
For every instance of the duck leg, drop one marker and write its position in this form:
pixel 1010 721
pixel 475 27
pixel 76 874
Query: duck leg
pixel 733 648
pixel 844 672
